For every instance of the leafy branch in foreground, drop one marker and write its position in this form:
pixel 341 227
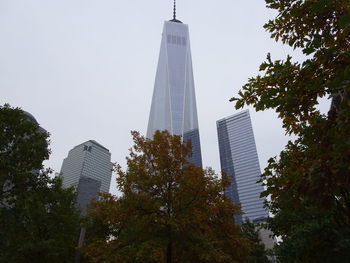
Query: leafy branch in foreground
pixel 309 183
pixel 39 221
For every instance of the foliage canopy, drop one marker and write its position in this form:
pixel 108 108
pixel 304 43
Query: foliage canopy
pixel 169 210
pixel 39 221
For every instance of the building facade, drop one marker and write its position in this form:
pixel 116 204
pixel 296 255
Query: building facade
pixel 239 160
pixel 174 103
pixel 88 168
pixel 87 160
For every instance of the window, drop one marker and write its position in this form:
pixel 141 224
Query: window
pixel 87 148
pixel 177 40
pixel 173 39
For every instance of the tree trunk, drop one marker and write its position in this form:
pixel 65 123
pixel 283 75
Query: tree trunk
pixel 169 253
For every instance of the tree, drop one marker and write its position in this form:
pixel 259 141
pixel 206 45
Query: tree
pixel 258 254
pixel 309 183
pixel 23 147
pixel 169 210
pixel 39 221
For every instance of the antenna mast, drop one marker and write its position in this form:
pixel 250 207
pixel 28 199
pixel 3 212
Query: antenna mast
pixel 174 14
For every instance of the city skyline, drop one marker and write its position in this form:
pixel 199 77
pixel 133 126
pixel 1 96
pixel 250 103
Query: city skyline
pixel 81 67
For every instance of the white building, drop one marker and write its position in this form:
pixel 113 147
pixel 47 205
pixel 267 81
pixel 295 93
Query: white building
pixel 174 103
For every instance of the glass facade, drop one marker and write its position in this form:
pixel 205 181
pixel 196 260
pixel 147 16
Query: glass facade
pixel 90 160
pixel 173 103
pixel 239 160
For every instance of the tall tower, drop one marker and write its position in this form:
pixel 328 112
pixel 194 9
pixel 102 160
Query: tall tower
pixel 239 160
pixel 174 103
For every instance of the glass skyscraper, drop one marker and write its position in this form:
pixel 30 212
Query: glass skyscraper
pixel 174 103
pixel 88 168
pixel 239 160
pixel 87 160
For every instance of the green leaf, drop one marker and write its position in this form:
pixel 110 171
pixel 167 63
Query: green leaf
pixel 344 21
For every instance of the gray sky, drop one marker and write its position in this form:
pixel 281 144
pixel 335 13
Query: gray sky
pixel 85 68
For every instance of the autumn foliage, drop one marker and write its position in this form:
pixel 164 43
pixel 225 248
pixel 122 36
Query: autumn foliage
pixel 169 210
pixel 309 182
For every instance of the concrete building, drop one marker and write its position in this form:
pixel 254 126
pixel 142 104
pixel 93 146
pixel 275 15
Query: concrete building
pixel 239 160
pixel 173 103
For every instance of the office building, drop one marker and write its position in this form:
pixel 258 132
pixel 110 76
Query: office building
pixel 239 160
pixel 174 103
pixel 88 168
pixel 88 160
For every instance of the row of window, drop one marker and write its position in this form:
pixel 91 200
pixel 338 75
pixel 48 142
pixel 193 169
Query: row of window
pixel 177 40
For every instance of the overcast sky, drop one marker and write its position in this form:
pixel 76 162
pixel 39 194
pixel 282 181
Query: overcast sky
pixel 86 68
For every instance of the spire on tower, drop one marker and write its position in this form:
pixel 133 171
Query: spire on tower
pixel 174 14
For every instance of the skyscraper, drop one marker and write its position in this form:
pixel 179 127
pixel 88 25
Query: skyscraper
pixel 173 103
pixel 239 160
pixel 88 168
pixel 88 160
